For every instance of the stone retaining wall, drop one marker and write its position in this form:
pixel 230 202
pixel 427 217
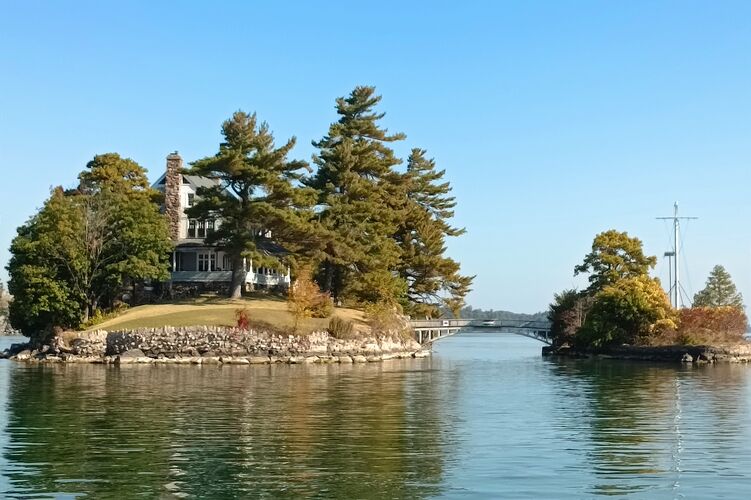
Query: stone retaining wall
pixel 207 344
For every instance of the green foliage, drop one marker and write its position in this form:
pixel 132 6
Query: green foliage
pixel 719 291
pixel 627 312
pixel 256 197
pixel 431 277
pixel 614 256
pixel 77 252
pixel 383 232
pixel 359 212
pixel 341 328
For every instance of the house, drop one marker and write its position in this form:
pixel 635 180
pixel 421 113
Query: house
pixel 194 262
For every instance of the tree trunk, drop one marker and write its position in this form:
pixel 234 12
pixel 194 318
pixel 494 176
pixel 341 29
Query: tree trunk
pixel 238 277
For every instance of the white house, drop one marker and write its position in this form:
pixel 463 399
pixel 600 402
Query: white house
pixel 194 261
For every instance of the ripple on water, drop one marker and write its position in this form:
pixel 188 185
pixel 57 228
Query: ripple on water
pixel 486 417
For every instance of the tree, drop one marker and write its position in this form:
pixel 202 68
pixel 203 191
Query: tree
pixel 628 311
pixel 567 314
pixel 256 198
pixel 359 210
pixel 614 256
pixel 432 278
pixel 719 291
pixel 80 249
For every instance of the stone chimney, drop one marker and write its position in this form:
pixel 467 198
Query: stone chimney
pixel 172 183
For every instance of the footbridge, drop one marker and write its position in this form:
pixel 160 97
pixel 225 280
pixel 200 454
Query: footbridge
pixel 427 331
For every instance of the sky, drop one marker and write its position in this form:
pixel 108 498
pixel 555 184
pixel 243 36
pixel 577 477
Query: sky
pixel 553 120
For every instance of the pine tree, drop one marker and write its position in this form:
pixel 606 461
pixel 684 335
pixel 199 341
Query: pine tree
pixel 359 207
pixel 432 278
pixel 719 291
pixel 256 197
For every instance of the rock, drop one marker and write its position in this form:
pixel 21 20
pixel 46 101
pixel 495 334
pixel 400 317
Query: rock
pixel 359 358
pixel 421 354
pixel 258 360
pixel 210 360
pixel 293 360
pixel 132 353
pixel 687 358
pixel 23 355
pixel 389 355
pixel 235 361
pixel 143 360
pixel 373 358
pixel 345 359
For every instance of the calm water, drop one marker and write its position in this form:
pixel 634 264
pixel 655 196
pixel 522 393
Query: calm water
pixel 486 417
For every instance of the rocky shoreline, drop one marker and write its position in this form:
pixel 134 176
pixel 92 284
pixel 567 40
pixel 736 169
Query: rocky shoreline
pixel 214 345
pixel 704 354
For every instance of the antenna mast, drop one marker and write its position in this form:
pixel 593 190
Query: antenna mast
pixel 675 289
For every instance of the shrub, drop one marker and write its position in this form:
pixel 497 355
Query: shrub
pixel 305 300
pixel 341 328
pixel 323 307
pixel 242 319
pixel 386 318
pixel 706 325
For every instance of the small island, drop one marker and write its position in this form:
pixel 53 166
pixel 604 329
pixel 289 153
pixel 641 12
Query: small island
pixel 245 256
pixel 626 314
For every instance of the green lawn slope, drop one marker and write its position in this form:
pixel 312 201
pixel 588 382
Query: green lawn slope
pixel 220 312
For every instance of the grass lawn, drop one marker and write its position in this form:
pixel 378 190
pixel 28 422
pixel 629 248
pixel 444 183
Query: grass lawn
pixel 219 312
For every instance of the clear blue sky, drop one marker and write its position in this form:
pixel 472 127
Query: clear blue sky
pixel 554 120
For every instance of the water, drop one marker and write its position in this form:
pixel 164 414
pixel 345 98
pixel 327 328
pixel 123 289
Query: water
pixel 486 417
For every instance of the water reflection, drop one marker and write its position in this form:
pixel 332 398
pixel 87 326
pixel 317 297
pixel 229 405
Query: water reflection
pixel 487 417
pixel 347 431
pixel 657 429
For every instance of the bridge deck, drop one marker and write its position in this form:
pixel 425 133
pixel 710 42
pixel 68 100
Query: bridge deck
pixel 427 331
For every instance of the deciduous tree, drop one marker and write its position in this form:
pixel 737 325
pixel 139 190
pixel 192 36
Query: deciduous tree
pixel 614 256
pixel 627 312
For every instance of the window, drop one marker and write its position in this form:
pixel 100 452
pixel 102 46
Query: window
pixel 209 226
pixel 192 228
pixel 226 263
pixel 191 199
pixel 206 261
pixel 201 232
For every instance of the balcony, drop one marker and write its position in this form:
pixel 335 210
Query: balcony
pixel 226 276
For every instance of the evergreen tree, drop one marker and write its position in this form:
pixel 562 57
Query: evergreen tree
pixel 432 278
pixel 719 291
pixel 359 204
pixel 256 199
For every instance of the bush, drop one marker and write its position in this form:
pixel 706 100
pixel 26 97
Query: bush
pixel 707 325
pixel 386 318
pixel 323 307
pixel 305 300
pixel 341 328
pixel 242 319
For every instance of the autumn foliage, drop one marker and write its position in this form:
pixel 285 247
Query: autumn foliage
pixel 708 325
